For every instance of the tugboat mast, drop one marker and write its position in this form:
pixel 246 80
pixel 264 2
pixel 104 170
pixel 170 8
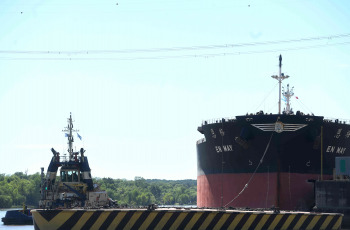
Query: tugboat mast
pixel 70 131
pixel 280 78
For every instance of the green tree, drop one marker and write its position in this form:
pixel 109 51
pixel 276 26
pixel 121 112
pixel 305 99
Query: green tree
pixel 5 201
pixel 184 199
pixel 21 187
pixel 156 190
pixel 168 199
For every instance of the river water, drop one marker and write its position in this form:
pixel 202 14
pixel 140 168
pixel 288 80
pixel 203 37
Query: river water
pixel 13 227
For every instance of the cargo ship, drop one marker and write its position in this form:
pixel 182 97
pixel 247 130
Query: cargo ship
pixel 72 201
pixel 268 160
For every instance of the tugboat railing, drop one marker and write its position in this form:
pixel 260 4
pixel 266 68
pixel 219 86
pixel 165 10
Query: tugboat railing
pixel 64 158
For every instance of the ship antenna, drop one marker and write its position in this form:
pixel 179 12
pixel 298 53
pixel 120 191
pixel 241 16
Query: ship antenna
pixel 280 78
pixel 288 94
pixel 69 135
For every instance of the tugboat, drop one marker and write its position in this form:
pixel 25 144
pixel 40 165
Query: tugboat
pixel 75 187
pixel 74 202
pixel 18 217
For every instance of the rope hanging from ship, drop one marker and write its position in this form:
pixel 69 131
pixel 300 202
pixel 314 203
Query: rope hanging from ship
pixel 252 176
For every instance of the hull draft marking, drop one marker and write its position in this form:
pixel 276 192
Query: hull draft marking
pixel 279 127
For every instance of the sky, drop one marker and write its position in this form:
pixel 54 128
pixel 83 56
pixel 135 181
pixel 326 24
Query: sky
pixel 139 76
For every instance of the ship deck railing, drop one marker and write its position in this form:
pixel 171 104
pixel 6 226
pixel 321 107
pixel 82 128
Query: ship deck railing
pixel 232 119
pixel 218 120
pixel 337 120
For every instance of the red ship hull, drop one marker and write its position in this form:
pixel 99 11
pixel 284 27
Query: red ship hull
pixel 294 190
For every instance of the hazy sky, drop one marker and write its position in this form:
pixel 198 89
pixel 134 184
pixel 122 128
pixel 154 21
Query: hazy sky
pixel 140 76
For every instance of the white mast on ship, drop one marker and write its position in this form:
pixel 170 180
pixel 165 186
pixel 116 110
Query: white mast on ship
pixel 70 131
pixel 280 78
pixel 288 94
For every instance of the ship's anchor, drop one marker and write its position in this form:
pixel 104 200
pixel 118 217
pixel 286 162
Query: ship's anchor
pixel 308 163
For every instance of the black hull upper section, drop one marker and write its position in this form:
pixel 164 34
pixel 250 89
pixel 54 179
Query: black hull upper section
pixel 293 144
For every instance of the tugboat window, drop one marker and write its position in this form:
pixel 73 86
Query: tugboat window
pixel 69 176
pixel 63 176
pixel 75 176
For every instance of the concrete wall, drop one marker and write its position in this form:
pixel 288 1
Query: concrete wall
pixel 332 195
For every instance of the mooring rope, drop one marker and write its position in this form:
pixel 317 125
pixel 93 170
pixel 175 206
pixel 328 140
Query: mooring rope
pixel 252 176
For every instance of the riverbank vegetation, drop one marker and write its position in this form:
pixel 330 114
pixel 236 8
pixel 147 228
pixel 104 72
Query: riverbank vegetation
pixel 145 191
pixel 20 188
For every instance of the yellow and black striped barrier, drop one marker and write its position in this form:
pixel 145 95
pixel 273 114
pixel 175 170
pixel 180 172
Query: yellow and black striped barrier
pixel 211 219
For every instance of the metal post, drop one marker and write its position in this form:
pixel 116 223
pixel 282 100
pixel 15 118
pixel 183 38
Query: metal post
pixel 280 78
pixel 321 153
pixel 280 82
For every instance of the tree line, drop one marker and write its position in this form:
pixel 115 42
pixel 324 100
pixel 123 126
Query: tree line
pixel 20 188
pixel 150 191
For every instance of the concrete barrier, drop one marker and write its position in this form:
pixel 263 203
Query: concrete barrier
pixel 211 219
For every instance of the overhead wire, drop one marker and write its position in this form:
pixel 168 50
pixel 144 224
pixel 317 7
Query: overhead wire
pixel 159 50
pixel 264 99
pixel 304 106
pixel 183 48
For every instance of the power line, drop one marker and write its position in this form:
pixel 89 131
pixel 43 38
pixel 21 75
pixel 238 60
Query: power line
pixel 172 57
pixel 172 49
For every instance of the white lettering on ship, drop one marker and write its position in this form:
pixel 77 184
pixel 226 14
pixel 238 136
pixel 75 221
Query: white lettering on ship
pixel 222 133
pixel 332 149
pixel 347 134
pixel 218 149
pixel 338 133
pixel 225 148
pixel 213 133
pixel 341 150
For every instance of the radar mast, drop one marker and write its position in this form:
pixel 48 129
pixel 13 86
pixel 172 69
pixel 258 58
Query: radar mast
pixel 288 94
pixel 70 137
pixel 280 78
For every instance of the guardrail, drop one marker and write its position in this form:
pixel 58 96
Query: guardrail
pixel 337 120
pixel 218 120
pixel 232 119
